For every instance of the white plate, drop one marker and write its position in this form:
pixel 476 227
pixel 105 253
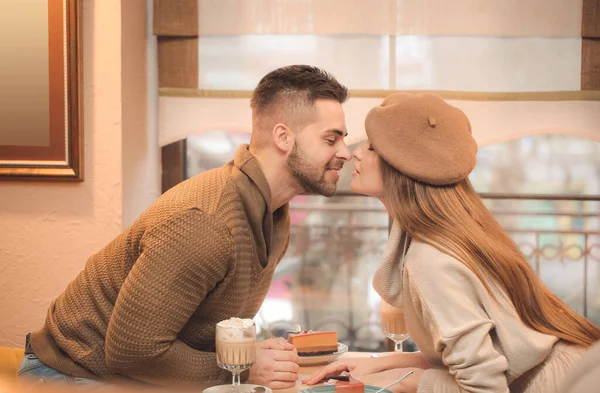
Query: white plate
pixel 331 389
pixel 244 388
pixel 321 359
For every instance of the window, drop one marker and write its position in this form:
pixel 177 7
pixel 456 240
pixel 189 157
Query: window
pixel 325 280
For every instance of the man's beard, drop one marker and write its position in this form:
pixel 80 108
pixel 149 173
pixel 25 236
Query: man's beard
pixel 311 179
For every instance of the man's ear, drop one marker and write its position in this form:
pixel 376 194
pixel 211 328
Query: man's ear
pixel 283 137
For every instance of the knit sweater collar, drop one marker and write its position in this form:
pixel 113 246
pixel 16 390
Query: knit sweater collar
pixel 271 229
pixel 249 164
pixel 387 280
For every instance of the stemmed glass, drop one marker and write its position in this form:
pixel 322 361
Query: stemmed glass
pixel 236 348
pixel 393 325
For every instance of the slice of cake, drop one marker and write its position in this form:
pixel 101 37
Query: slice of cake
pixel 352 386
pixel 314 343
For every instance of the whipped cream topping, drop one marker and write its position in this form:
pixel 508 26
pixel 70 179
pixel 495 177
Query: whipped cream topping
pixel 236 329
pixel 236 323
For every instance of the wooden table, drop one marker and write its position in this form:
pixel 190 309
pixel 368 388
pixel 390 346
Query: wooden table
pixel 307 371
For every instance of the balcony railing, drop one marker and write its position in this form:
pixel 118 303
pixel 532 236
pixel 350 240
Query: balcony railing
pixel 337 245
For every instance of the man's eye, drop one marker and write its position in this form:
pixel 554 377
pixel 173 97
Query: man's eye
pixel 371 147
pixel 331 141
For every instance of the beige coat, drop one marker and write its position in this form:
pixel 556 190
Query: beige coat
pixel 584 377
pixel 472 343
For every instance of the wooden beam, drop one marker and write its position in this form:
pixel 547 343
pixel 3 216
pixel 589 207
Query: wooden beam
pixel 176 17
pixel 176 24
pixel 178 62
pixel 177 66
pixel 590 19
pixel 381 93
pixel 590 45
pixel 173 164
pixel 590 64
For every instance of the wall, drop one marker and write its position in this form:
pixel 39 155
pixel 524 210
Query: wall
pixel 140 150
pixel 48 230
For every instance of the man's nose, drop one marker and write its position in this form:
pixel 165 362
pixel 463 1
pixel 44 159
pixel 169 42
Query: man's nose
pixel 344 153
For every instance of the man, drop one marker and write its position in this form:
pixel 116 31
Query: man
pixel 146 305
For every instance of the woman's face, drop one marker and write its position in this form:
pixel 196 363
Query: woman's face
pixel 366 178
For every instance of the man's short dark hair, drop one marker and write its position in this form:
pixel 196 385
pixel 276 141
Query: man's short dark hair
pixel 288 94
pixel 302 81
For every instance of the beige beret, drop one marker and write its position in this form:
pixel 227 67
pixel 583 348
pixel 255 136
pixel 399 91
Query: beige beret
pixel 423 137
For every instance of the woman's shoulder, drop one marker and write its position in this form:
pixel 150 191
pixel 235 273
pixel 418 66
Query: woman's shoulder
pixel 433 263
pixel 425 255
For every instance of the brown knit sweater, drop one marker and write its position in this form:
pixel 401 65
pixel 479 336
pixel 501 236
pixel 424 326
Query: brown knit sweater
pixel 146 305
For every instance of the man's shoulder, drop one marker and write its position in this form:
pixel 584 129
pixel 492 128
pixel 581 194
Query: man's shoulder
pixel 213 192
pixel 203 191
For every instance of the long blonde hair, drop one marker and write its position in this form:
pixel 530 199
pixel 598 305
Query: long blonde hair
pixel 455 220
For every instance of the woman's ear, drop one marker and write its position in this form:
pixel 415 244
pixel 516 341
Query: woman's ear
pixel 283 137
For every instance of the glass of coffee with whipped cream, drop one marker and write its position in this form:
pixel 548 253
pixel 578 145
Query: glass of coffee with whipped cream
pixel 393 324
pixel 236 347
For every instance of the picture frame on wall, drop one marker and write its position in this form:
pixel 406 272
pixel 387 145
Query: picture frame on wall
pixel 41 130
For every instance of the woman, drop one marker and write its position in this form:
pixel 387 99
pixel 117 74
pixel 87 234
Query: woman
pixel 481 317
